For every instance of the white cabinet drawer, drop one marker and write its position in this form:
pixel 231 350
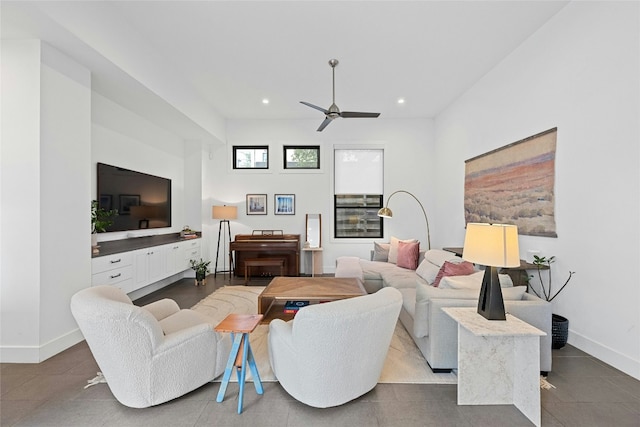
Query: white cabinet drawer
pixel 112 277
pixel 192 253
pixel 110 262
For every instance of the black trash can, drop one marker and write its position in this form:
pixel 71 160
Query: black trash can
pixel 559 331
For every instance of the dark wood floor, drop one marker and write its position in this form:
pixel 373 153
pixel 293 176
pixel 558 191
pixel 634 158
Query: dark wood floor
pixel 588 393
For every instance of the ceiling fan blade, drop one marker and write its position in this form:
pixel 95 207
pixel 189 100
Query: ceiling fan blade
pixel 324 124
pixel 314 106
pixel 352 114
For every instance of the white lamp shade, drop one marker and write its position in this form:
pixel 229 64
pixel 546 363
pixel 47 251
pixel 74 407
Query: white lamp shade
pixel 494 245
pixel 224 212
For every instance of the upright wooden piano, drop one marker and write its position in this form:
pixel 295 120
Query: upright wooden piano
pixel 267 245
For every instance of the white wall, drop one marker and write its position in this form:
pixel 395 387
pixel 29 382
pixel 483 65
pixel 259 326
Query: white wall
pixel 408 165
pixel 579 73
pixel 121 138
pixel 45 243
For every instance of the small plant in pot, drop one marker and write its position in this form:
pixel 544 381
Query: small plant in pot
pixel 202 269
pixel 100 220
pixel 559 324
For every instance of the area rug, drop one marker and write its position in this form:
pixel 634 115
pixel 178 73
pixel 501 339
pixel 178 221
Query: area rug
pixel 404 364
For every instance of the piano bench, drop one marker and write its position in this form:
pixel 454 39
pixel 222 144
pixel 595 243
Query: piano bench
pixel 262 262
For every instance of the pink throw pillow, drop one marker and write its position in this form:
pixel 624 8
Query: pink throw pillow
pixel 408 254
pixel 450 269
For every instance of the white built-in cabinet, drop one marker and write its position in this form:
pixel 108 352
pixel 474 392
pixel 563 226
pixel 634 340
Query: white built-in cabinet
pixel 149 265
pixel 136 269
pixel 115 270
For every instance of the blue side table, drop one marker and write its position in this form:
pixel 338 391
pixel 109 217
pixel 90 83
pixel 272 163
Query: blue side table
pixel 240 326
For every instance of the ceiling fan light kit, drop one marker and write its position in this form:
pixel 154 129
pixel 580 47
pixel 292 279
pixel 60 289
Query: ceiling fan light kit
pixel 333 111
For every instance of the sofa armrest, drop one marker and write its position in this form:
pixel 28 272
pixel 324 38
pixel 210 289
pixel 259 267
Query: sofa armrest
pixel 162 309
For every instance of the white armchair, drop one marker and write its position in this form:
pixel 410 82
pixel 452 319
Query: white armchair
pixel 334 352
pixel 151 354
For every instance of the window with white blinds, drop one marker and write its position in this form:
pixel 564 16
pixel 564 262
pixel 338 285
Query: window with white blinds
pixel 358 189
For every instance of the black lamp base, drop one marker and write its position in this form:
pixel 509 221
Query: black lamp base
pixel 490 303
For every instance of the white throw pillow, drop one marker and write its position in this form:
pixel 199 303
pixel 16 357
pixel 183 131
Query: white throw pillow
pixel 393 249
pixel 439 256
pixel 428 271
pixel 472 281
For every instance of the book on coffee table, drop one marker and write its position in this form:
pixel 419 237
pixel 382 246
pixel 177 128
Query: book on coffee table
pixel 294 306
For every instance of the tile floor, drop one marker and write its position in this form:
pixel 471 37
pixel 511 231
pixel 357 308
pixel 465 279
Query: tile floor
pixel 588 393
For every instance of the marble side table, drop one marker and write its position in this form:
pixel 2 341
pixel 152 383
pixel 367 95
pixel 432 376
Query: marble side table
pixel 498 361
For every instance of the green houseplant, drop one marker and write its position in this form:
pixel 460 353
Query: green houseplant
pixel 559 324
pixel 100 220
pixel 201 268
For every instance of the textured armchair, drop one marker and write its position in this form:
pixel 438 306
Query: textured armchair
pixel 334 352
pixel 151 354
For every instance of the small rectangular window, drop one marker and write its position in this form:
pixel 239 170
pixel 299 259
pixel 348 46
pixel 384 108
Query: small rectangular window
pixel 301 157
pixel 251 157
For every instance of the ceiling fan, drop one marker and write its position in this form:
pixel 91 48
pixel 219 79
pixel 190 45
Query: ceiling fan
pixel 333 111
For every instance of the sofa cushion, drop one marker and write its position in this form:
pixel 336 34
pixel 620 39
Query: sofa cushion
pixel 472 281
pixel 450 269
pixel 409 300
pixel 439 256
pixel 427 270
pixel 393 250
pixel 381 251
pixel 434 259
pixel 348 266
pixel 408 255
pixel 400 278
pixel 425 293
pixel 374 269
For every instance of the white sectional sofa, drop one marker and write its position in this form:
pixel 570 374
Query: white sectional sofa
pixel 435 333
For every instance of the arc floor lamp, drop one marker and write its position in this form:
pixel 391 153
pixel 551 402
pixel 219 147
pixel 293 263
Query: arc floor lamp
pixel 224 214
pixel 388 213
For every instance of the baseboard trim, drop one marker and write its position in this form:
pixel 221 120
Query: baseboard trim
pixel 608 355
pixel 37 354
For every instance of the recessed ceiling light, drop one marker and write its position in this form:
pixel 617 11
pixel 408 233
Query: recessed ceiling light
pixel 265 101
pixel 400 100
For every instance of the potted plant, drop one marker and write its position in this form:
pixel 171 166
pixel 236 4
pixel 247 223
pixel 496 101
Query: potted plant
pixel 559 324
pixel 100 220
pixel 201 268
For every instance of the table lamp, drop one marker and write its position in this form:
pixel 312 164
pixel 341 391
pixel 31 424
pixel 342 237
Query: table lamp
pixel 494 246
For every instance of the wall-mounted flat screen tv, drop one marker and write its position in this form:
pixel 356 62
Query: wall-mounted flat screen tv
pixel 142 200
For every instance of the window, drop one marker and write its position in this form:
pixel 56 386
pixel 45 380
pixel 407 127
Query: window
pixel 251 157
pixel 356 215
pixel 358 179
pixel 301 157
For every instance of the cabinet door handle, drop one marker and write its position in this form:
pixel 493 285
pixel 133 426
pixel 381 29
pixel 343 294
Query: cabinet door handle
pixel 113 261
pixel 115 276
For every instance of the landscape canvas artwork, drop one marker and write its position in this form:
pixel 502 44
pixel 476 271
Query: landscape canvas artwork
pixel 514 184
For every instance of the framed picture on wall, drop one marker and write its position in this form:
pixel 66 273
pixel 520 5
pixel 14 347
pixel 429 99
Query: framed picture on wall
pixel 285 204
pixel 256 204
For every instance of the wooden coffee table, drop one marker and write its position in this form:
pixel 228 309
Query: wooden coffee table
pixel 313 289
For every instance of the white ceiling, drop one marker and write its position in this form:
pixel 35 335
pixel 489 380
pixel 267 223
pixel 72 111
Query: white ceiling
pixel 179 61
